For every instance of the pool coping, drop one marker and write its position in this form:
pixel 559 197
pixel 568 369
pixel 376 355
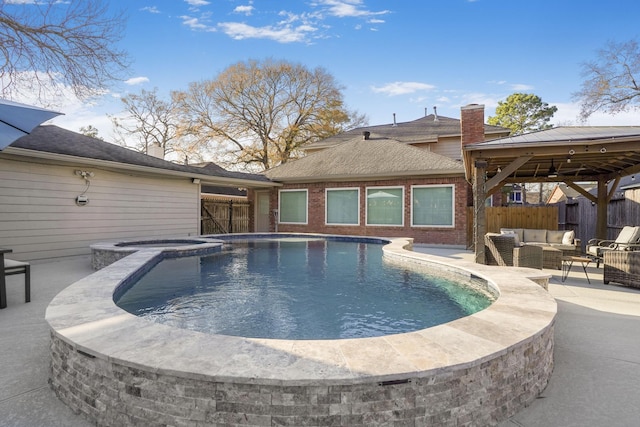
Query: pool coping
pixel 85 316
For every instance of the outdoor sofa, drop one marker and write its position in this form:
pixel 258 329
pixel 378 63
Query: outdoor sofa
pixel 501 249
pixel 555 244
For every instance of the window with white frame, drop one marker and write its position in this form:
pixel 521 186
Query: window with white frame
pixel 293 207
pixel 432 206
pixel 385 206
pixel 342 206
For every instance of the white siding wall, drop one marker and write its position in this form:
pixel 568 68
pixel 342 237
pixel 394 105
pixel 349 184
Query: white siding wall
pixel 40 219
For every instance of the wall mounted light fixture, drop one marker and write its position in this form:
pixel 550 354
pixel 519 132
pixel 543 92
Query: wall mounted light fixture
pixel 82 199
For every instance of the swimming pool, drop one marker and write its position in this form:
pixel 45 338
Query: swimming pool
pixel 294 288
pixel 118 369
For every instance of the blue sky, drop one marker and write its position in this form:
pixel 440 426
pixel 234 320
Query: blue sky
pixel 391 56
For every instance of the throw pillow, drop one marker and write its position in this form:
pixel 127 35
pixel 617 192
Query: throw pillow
pixel 568 237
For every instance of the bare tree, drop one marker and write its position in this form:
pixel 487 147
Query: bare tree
pixel 91 131
pixel 262 113
pixel 151 124
pixel 49 45
pixel 611 81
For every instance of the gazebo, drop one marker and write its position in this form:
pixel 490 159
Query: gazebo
pixel 563 154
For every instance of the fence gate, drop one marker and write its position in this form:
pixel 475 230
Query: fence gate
pixel 224 216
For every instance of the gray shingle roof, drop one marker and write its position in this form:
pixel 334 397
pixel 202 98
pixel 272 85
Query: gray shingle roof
pixel 357 158
pixel 564 134
pixel 53 139
pixel 422 130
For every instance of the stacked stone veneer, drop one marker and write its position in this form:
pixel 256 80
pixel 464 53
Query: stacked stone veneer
pixel 112 394
pixel 488 366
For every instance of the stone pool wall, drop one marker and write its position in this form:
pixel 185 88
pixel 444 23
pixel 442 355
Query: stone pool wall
pixel 120 370
pixel 481 394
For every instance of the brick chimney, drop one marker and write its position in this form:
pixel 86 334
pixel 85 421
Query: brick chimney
pixel 472 124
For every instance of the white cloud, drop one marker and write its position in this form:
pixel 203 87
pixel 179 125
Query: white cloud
pixel 196 3
pixel 521 87
pixel 348 8
pixel 375 21
pixel 195 23
pixel 136 81
pixel 402 88
pixel 246 10
pixel 150 9
pixel 286 34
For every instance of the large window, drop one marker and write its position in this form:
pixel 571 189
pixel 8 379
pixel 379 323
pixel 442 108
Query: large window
pixel 432 206
pixel 385 206
pixel 293 206
pixel 343 206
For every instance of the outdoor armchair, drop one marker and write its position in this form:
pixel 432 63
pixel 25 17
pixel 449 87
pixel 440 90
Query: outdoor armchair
pixel 10 267
pixel 505 250
pixel 628 240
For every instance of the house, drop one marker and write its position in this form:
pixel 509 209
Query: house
pixel 437 134
pixel 402 179
pixel 61 191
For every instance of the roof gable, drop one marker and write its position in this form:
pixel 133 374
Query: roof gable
pixel 429 128
pixel 56 140
pixel 372 158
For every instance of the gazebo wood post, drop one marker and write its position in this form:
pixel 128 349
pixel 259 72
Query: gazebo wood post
pixel 601 210
pixel 479 219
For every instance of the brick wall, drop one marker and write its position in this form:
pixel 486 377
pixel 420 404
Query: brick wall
pixel 433 235
pixel 472 123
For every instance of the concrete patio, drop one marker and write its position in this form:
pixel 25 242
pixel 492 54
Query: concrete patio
pixel 597 351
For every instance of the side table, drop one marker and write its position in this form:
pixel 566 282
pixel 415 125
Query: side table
pixel 567 263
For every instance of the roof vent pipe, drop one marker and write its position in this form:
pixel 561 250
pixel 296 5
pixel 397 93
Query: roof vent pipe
pixel 365 135
pixel 435 113
pixel 394 120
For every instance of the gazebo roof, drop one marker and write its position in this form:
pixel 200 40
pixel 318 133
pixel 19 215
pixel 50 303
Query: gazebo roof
pixel 587 153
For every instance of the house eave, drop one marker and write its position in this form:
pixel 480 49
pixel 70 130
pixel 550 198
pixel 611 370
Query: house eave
pixel 204 179
pixel 370 177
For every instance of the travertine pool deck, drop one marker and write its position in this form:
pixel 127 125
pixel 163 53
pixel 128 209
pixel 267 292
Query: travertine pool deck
pixel 116 368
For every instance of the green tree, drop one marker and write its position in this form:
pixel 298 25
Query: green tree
pixel 260 113
pixel 523 112
pixel 612 81
pixel 48 46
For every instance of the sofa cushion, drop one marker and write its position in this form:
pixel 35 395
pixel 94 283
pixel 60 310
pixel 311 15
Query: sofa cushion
pixel 531 235
pixel 555 236
pixel 568 237
pixel 517 231
pixel 516 238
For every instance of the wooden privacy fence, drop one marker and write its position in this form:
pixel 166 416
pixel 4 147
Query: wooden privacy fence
pixel 223 216
pixel 537 217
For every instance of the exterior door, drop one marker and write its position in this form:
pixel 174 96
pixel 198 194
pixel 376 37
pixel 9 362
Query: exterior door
pixel 262 212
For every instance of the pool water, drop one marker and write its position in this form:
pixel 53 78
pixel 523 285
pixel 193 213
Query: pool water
pixel 297 289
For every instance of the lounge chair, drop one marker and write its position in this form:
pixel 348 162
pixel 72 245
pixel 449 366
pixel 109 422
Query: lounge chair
pixel 505 250
pixel 627 240
pixel 10 267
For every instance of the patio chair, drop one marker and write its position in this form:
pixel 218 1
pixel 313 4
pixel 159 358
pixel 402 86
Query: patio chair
pixel 627 240
pixel 11 267
pixel 622 267
pixel 505 250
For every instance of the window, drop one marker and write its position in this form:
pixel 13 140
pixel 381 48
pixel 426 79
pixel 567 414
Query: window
pixel 293 206
pixel 343 206
pixel 515 196
pixel 385 206
pixel 432 206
